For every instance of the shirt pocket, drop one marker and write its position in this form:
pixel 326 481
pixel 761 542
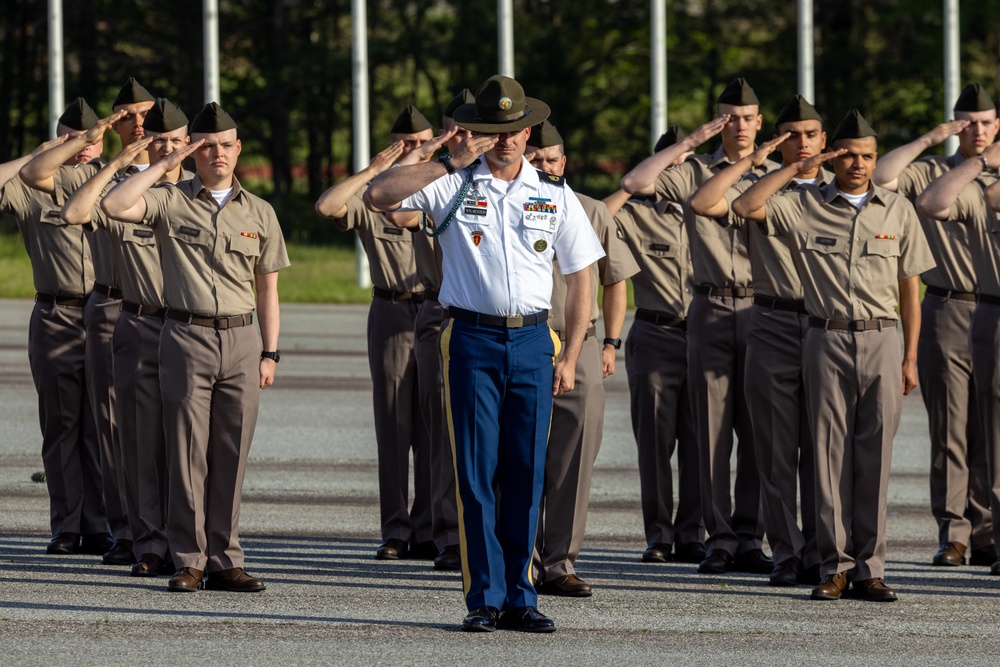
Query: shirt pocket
pixel 538 230
pixel 242 251
pixel 879 263
pixel 479 233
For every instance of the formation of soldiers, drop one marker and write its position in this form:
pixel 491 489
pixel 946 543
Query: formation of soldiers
pixel 766 295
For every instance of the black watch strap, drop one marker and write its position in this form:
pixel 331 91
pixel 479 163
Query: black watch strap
pixel 273 356
pixel 614 342
pixel 445 159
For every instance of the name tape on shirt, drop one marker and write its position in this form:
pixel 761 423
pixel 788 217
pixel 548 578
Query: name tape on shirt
pixel 189 231
pixel 143 233
pixel 826 240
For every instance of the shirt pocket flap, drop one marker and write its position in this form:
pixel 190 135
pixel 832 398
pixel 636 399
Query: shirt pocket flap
pixel 139 236
pixel 830 245
pixel 244 244
pixel 883 247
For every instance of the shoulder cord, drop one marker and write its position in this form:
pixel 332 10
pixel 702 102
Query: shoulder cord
pixel 466 186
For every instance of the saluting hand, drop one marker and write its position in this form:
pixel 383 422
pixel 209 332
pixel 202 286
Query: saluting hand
pixel 758 157
pixel 813 163
pixel 174 158
pixel 945 130
pixel 46 145
pixel 428 148
pixel 128 154
pixel 469 150
pixel 96 133
pixel 706 131
pixel 386 158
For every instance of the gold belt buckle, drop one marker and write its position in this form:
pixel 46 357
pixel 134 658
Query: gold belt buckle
pixel 515 322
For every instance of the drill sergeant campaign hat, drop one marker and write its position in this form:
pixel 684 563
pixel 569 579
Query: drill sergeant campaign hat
pixel 131 93
pixel 854 126
pixel 410 121
pixel 212 119
pixel 673 134
pixel 544 135
pixel 795 110
pixel 974 98
pixel 165 116
pixel 738 93
pixel 78 116
pixel 463 97
pixel 501 106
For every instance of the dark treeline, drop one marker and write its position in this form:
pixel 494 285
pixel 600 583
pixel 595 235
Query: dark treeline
pixel 286 71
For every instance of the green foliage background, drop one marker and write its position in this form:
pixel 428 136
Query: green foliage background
pixel 286 71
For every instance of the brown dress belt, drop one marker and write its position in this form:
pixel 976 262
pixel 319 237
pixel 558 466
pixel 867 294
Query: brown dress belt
pixel 220 323
pixel 731 292
pixel 951 294
pixel 851 325
pixel 512 322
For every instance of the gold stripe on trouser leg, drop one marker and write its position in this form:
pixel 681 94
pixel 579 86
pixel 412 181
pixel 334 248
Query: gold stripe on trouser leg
pixel 557 347
pixel 445 363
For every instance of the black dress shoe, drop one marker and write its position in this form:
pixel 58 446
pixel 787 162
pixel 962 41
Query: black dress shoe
pixel 717 561
pixel 422 551
pixel 119 554
pixel 391 550
pixel 151 565
pixel 983 556
pixel 832 587
pixel 450 558
pixel 690 552
pixel 786 573
pixel 872 590
pixel 185 580
pixel 526 619
pixel 809 576
pixel 481 619
pixel 753 561
pixel 97 544
pixel 570 586
pixel 656 553
pixel 995 568
pixel 235 580
pixel 64 544
pixel 950 555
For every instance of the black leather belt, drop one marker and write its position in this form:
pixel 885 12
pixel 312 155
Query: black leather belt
pixel 108 291
pixel 431 294
pixel 851 325
pixel 53 300
pixel 986 298
pixel 394 296
pixel 590 333
pixel 731 292
pixel 220 323
pixel 660 319
pixel 951 294
pixel 512 322
pixel 774 303
pixel 143 311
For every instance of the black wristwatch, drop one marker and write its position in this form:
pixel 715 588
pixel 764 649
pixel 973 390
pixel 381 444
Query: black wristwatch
pixel 614 342
pixel 273 356
pixel 445 159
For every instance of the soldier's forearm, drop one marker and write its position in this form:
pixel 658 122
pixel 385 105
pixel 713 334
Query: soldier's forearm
pixel 938 200
pixel 394 185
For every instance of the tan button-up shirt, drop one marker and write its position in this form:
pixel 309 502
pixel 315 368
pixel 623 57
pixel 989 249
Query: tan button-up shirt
pixel 67 180
pixel 949 243
pixel 61 261
pixel 718 249
pixel 210 255
pixel 657 237
pixel 850 260
pixel 616 265
pixel 427 254
pixel 983 230
pixel 391 261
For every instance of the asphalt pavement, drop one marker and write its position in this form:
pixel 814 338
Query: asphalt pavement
pixel 310 529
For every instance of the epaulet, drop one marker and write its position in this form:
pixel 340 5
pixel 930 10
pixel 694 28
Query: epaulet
pixel 551 178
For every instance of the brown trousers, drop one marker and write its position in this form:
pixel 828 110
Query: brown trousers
pixel 574 441
pixel 210 383
pixel 854 388
pixel 56 353
pixel 985 340
pixel 717 337
pixel 656 363
pixel 140 430
pixel 960 500
pixel 776 396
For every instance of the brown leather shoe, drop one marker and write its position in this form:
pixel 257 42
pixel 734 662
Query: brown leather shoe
pixel 570 586
pixel 983 556
pixel 235 580
pixel 391 550
pixel 995 569
pixel 185 580
pixel 656 553
pixel 831 587
pixel 951 554
pixel 151 565
pixel 450 558
pixel 872 590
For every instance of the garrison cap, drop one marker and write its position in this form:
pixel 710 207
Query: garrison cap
pixel 673 134
pixel 738 93
pixel 131 93
pixel 211 119
pixel 78 115
pixel 854 126
pixel 797 109
pixel 410 121
pixel 544 135
pixel 974 98
pixel 501 106
pixel 464 97
pixel 165 116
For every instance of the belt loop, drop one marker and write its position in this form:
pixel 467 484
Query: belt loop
pixel 826 325
pixel 879 324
